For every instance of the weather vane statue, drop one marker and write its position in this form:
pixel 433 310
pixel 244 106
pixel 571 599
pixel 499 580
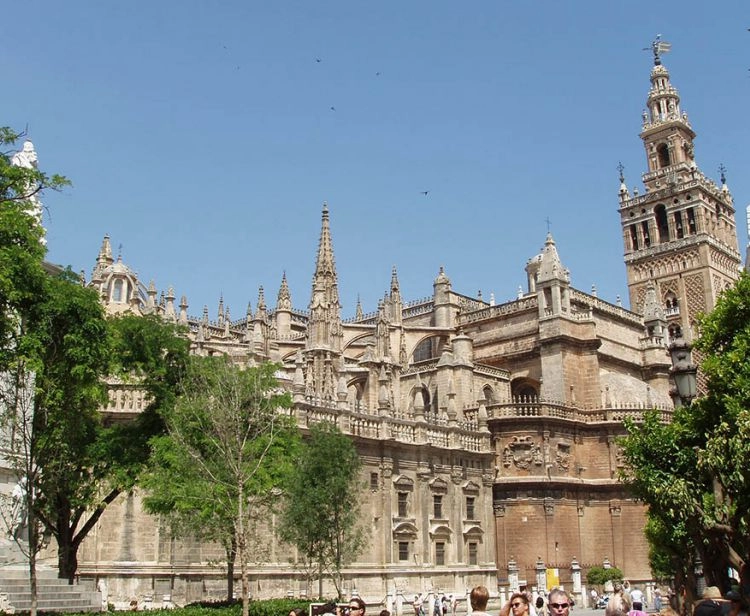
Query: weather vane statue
pixel 659 47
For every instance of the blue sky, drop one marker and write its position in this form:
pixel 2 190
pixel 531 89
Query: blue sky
pixel 201 135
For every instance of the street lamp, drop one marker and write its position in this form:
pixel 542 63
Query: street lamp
pixel 683 371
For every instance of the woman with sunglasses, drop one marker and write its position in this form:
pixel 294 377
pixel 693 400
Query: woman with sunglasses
pixel 356 607
pixel 517 605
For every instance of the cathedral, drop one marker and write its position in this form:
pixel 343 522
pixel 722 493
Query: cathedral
pixel 488 432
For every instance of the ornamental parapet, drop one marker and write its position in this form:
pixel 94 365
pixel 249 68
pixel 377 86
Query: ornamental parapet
pixel 528 302
pixel 535 407
pixel 438 432
pixel 418 309
pixel 125 398
pixel 599 305
pixel 499 373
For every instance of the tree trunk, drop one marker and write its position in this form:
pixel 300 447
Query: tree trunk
pixel 67 552
pixel 231 558
pixel 33 538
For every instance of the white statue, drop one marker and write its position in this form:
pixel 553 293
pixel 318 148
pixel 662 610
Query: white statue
pixel 26 157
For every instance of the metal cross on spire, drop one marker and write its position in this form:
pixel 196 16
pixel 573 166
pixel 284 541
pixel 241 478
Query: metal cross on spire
pixel 658 47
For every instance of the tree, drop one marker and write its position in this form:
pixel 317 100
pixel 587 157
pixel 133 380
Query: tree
pixel 599 576
pixel 22 251
pixel 86 463
pixel 692 473
pixel 225 455
pixel 321 515
pixel 56 348
pixel 22 278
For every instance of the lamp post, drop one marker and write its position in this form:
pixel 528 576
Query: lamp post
pixel 684 374
pixel 683 371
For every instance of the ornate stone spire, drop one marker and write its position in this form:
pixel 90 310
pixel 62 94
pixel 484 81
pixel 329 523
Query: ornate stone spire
pixel 359 315
pixel 220 311
pixel 284 299
pixel 260 313
pixel 169 311
pixel 324 327
pixel 183 310
pixel 551 268
pixel 103 259
pixel 395 298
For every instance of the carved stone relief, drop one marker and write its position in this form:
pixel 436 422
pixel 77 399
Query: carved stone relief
pixel 522 452
pixel 562 456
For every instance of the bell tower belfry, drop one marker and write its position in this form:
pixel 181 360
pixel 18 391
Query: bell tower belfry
pixel 680 235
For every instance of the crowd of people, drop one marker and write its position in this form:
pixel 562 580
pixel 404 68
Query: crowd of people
pixel 623 601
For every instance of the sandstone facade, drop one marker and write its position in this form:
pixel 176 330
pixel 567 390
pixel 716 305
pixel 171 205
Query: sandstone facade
pixel 489 432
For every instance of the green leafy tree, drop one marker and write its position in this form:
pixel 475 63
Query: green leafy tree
pixel 693 473
pixel 22 282
pixel 56 348
pixel 321 517
pixel 227 450
pixel 599 576
pixel 86 464
pixel 22 271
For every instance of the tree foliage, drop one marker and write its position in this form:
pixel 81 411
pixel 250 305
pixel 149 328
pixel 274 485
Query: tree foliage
pixel 226 453
pixel 598 575
pixel 322 513
pixel 693 473
pixel 56 347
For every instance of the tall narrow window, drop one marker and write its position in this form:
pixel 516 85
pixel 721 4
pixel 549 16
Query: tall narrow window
pixel 473 552
pixel 662 225
pixel 470 508
pixel 440 552
pixel 437 505
pixel 691 221
pixel 634 236
pixel 402 504
pixel 117 291
pixel 403 550
pixel 663 153
pixel 646 234
pixel 678 224
pixel 374 483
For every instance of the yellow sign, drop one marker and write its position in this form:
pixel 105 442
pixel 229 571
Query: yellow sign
pixel 553 578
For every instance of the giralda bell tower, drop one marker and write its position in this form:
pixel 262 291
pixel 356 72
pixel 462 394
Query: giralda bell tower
pixel 680 236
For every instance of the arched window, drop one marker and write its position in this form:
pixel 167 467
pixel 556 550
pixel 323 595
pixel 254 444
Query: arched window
pixel 675 331
pixel 662 152
pixel 489 394
pixel 671 305
pixel 661 223
pixel 117 291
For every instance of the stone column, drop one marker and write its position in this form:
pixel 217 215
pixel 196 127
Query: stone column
pixel 575 571
pixel 513 575
pixel 541 576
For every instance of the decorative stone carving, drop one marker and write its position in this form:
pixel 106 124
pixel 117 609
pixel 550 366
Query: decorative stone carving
pixel 499 510
pixel 522 452
pixel 562 457
pixel 457 474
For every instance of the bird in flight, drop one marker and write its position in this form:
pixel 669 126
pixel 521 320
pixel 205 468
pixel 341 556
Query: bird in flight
pixel 425 192
pixel 333 108
pixel 317 59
